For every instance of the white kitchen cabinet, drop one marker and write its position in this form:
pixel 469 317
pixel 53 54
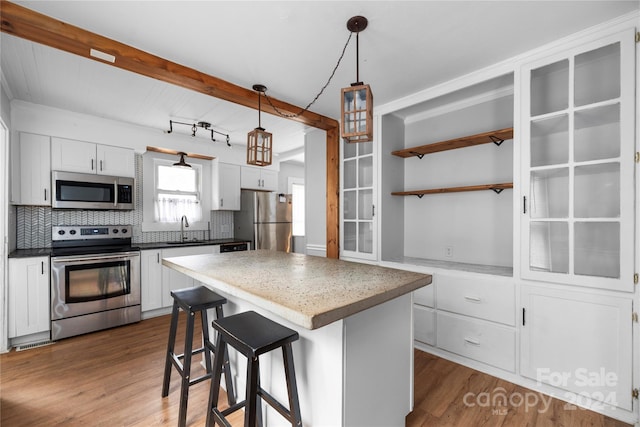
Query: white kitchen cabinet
pixel 79 156
pixel 28 296
pixel 358 205
pixel 468 314
pixel 579 342
pixel 31 170
pixel 158 281
pixel 150 279
pixel 577 168
pixel 226 187
pixel 258 179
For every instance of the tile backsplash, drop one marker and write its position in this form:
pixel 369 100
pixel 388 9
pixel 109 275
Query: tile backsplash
pixel 33 223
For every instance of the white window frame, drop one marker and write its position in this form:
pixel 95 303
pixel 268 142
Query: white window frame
pixel 151 161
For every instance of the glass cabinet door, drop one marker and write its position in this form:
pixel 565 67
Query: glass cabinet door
pixel 357 205
pixel 577 166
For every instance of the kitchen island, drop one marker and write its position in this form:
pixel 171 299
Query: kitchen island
pixel 354 359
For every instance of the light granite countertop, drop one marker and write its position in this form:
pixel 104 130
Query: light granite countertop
pixel 306 290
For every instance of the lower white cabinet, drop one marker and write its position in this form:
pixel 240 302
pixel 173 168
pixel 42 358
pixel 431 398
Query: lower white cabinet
pixel 28 296
pixel 158 281
pixel 471 315
pixel 578 342
pixel 479 340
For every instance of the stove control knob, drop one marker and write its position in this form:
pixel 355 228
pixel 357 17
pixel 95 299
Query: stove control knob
pixel 61 232
pixel 72 232
pixel 124 231
pixel 115 231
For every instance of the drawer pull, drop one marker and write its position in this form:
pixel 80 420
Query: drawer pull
pixel 472 341
pixel 472 298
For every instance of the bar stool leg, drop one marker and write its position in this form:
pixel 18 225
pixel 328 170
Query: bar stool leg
pixel 292 387
pixel 228 379
pixel 205 337
pixel 221 354
pixel 170 349
pixel 253 372
pixel 186 371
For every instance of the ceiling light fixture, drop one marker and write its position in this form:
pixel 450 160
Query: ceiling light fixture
pixel 356 120
pixel 182 163
pixel 203 125
pixel 259 142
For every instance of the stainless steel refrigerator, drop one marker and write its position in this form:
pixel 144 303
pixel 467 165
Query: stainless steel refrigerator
pixel 264 219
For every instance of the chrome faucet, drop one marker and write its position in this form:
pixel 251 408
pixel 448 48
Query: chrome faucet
pixel 183 223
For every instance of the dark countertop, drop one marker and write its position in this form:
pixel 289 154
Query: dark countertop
pixel 36 252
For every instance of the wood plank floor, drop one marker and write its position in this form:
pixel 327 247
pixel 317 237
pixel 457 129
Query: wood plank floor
pixel 114 378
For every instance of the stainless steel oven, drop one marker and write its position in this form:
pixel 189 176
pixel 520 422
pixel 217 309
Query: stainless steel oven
pixel 95 279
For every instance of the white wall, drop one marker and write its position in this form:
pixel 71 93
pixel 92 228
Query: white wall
pixel 289 170
pixel 316 192
pixel 477 225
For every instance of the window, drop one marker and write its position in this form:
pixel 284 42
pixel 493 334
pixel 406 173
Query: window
pixel 177 193
pixel 297 209
pixel 170 192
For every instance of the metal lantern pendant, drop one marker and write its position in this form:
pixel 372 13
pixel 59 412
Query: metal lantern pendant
pixel 259 142
pixel 357 100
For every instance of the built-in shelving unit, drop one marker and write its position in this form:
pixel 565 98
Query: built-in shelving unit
pixel 496 136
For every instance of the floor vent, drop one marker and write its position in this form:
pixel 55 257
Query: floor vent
pixel 34 345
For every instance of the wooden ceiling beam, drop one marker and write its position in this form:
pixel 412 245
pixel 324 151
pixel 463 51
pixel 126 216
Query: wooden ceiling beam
pixel 28 24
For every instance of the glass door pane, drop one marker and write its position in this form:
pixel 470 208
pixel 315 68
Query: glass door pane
pixel 597 133
pixel 549 247
pixel 550 141
pixel 597 75
pixel 550 88
pixel 597 191
pixel 597 249
pixel 549 194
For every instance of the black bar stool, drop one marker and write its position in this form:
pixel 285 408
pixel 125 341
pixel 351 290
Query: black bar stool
pixel 191 301
pixel 252 335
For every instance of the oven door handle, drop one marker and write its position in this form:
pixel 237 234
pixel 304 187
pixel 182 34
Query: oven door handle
pixel 95 258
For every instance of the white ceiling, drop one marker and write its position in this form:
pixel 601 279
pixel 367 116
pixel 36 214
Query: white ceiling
pixel 289 46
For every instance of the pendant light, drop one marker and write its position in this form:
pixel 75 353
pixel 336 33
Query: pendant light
pixel 357 100
pixel 259 142
pixel 182 163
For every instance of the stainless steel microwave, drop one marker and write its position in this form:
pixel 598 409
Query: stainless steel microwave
pixel 73 190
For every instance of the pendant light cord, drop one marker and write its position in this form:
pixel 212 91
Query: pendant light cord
pixel 303 110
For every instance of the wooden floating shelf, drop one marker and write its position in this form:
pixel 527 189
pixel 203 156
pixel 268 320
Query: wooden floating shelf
pixel 495 187
pixel 495 136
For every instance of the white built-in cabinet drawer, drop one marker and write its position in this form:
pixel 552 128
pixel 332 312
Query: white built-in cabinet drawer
pixel 424 324
pixel 424 296
pixel 490 299
pixel 485 342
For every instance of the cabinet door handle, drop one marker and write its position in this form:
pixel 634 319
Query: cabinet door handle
pixel 42 267
pixel 91 164
pixel 373 210
pixel 100 165
pixel 158 257
pixel 523 312
pixel 472 341
pixel 221 202
pixel 472 298
pixel 45 194
pixel 524 204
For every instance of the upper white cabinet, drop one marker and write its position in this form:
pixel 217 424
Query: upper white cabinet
pixel 226 187
pixel 28 296
pixel 79 156
pixel 258 179
pixel 577 167
pixel 357 204
pixel 31 170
